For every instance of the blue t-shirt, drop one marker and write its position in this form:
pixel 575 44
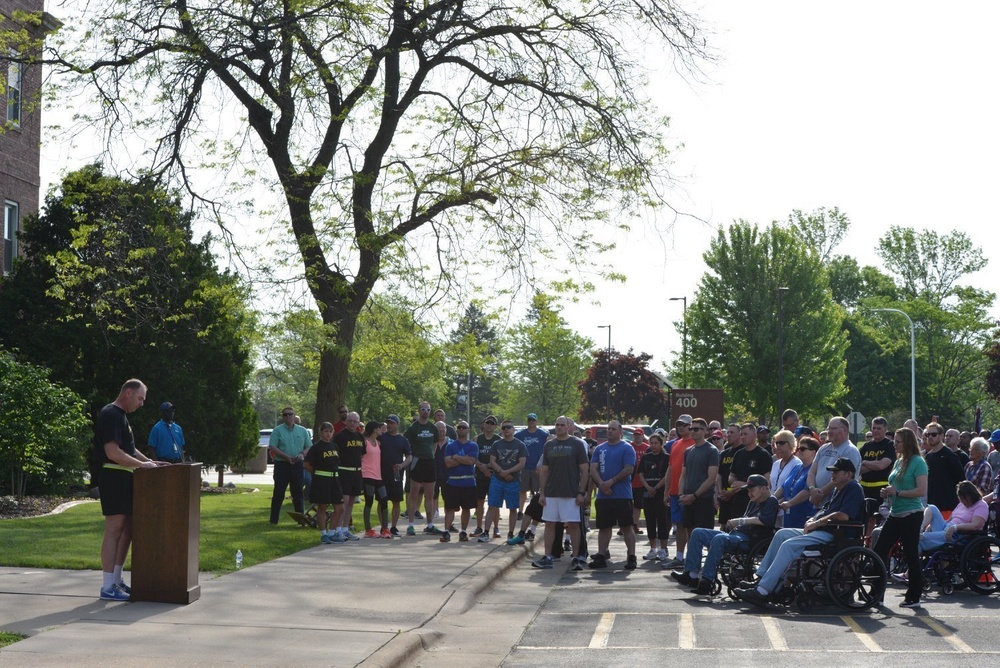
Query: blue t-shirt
pixel 851 501
pixel 463 475
pixel 796 516
pixel 167 440
pixel 611 460
pixel 534 442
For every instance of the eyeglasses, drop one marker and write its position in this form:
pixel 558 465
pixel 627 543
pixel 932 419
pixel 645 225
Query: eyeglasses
pixel 697 429
pixel 781 442
pixel 288 415
pixel 932 433
pixel 507 426
pixel 462 426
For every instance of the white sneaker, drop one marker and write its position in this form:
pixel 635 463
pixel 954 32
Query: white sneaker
pixel 661 555
pixel 650 555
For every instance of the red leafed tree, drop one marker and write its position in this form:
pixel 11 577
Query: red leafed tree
pixel 633 390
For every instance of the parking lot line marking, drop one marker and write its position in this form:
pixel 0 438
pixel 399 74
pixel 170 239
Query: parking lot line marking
pixel 774 634
pixel 862 635
pixel 947 634
pixel 600 638
pixel 685 630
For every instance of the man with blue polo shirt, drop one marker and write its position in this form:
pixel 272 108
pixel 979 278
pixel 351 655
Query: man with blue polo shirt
pixel 534 438
pixel 846 504
pixel 166 439
pixel 611 469
pixel 459 491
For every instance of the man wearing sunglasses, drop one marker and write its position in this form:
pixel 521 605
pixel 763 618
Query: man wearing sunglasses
pixel 944 470
pixel 506 461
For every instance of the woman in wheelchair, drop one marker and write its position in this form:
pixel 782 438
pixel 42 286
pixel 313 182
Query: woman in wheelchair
pixel 907 485
pixel 969 515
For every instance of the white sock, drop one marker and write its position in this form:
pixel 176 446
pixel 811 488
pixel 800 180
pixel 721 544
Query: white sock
pixel 323 532
pixel 109 580
pixel 118 574
pixel 680 555
pixel 532 527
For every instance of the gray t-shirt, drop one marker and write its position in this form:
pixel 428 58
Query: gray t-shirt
pixel 507 454
pixel 828 456
pixel 697 460
pixel 563 459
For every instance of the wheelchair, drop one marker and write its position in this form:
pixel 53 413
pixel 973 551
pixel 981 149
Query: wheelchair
pixel 740 565
pixel 972 561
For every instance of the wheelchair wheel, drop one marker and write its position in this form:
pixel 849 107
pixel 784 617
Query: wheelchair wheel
pixel 981 565
pixel 744 567
pixel 855 578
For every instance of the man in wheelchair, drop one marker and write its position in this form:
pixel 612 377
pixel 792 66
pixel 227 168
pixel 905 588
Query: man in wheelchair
pixel 755 525
pixel 847 504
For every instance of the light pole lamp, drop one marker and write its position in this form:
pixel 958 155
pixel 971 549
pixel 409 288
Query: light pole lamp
pixel 913 359
pixel 684 343
pixel 781 353
pixel 607 375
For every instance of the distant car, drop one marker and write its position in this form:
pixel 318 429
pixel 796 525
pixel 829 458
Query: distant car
pixel 265 439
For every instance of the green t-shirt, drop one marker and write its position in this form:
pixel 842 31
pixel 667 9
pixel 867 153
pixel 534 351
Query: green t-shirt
pixel 904 481
pixel 422 438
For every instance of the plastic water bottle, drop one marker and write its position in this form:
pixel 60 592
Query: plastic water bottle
pixel 239 559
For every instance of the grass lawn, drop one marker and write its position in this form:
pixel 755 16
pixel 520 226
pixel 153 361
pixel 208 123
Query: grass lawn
pixel 229 522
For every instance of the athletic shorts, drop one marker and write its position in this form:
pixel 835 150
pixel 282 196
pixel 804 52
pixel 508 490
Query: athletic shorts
pixel 456 497
pixel 325 490
pixel 613 512
pixel 482 486
pixel 394 490
pixel 529 480
pixel 534 508
pixel 115 487
pixel 505 493
pixel 423 471
pixel 676 510
pixel 560 509
pixel 350 483
pixel 638 497
pixel 700 514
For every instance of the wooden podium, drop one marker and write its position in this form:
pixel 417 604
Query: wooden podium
pixel 166 527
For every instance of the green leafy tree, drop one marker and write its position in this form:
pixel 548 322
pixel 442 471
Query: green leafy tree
pixel 952 326
pixel 46 434
pixel 733 323
pixel 821 231
pixel 396 133
pixel 114 287
pixel 473 354
pixel 543 363
pixel 636 393
pixel 993 369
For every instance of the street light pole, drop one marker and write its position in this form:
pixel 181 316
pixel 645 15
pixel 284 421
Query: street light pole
pixel 684 344
pixel 781 353
pixel 607 375
pixel 913 359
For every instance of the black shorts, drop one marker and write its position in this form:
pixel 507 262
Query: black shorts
pixel 456 497
pixel 325 490
pixel 115 487
pixel 638 497
pixel 700 514
pixel 350 482
pixel 374 489
pixel 423 471
pixel 613 512
pixel 394 490
pixel 482 487
pixel 534 508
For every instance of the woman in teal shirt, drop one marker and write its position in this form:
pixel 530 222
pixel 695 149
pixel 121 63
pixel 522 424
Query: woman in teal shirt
pixel 907 487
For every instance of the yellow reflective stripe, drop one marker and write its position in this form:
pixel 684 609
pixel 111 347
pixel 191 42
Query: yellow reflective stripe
pixel 116 467
pixel 325 474
pixel 878 483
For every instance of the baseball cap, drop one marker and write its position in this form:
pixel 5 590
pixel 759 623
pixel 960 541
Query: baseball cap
pixel 803 431
pixel 393 418
pixel 532 416
pixel 763 429
pixel 166 406
pixel 718 433
pixel 756 480
pixel 490 419
pixel 842 464
pixel 639 431
pixel 683 419
pixel 995 436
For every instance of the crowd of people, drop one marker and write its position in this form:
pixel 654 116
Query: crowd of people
pixel 713 489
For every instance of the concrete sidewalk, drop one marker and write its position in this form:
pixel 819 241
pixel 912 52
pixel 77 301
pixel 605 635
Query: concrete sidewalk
pixel 372 602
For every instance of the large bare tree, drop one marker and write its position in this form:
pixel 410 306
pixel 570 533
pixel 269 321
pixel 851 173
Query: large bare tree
pixel 399 133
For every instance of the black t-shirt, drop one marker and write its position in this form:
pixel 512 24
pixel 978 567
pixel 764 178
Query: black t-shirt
pixel 944 472
pixel 323 456
pixel 767 513
pixel 485 450
pixel 726 463
pixel 351 446
pixel 394 450
pixel 652 467
pixel 749 462
pixel 872 451
pixel 112 425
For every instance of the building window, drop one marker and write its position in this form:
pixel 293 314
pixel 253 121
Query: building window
pixel 15 81
pixel 11 222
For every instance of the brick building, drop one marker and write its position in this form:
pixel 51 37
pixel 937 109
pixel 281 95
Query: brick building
pixel 20 128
